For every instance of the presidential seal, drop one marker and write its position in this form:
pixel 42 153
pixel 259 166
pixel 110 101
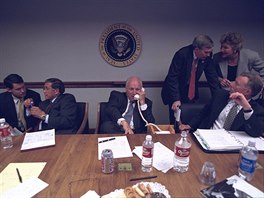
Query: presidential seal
pixel 120 45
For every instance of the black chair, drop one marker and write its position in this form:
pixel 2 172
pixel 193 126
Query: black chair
pixel 82 117
pixel 100 117
pixel 188 111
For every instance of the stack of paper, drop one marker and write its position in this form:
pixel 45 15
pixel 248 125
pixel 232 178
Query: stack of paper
pixel 162 157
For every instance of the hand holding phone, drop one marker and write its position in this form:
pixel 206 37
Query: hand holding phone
pixel 137 96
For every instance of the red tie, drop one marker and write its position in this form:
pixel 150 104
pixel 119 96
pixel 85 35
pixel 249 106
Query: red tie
pixel 191 92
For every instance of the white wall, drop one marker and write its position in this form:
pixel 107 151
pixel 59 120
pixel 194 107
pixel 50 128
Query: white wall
pixel 59 38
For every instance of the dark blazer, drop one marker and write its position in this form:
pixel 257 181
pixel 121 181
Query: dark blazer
pixel 117 105
pixel 254 126
pixel 176 84
pixel 62 114
pixel 8 108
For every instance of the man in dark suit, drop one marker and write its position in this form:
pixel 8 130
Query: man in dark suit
pixel 249 115
pixel 117 110
pixel 59 110
pixel 9 107
pixel 177 87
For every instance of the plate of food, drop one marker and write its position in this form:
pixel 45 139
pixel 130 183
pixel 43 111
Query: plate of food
pixel 139 190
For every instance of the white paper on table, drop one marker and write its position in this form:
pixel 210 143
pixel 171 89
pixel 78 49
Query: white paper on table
pixel 119 146
pixel 90 194
pixel 244 186
pixel 38 139
pixel 162 158
pixel 162 132
pixel 26 189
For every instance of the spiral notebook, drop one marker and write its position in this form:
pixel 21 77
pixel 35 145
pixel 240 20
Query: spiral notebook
pixel 222 140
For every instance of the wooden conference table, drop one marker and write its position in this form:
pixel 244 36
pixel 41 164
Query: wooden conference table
pixel 73 167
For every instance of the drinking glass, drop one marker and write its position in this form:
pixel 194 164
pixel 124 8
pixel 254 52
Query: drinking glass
pixel 208 174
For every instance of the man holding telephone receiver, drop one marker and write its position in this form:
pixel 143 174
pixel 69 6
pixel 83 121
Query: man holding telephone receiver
pixel 126 111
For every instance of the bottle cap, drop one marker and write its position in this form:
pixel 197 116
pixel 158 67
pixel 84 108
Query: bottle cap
pixel 148 137
pixel 184 133
pixel 2 120
pixel 251 143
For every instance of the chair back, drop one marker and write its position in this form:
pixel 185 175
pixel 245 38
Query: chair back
pixel 188 111
pixel 100 117
pixel 82 117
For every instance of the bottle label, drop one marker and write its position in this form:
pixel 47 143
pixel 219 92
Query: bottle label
pixel 182 152
pixel 247 165
pixel 5 132
pixel 147 152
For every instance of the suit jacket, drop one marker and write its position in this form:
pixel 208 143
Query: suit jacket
pixel 117 105
pixel 254 126
pixel 176 84
pixel 62 114
pixel 8 108
pixel 248 60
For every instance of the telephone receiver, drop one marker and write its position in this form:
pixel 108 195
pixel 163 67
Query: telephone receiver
pixel 137 97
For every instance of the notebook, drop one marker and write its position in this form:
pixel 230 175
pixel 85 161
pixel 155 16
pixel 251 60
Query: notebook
pixel 222 140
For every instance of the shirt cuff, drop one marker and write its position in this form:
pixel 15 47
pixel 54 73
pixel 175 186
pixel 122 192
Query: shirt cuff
pixel 120 120
pixel 247 115
pixel 143 107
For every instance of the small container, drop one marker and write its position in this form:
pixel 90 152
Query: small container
pixel 107 161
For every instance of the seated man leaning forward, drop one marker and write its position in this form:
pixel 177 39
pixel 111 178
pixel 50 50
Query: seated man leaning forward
pixel 123 113
pixel 234 110
pixel 59 110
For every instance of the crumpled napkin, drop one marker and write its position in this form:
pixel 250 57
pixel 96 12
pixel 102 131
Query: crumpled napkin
pixel 90 194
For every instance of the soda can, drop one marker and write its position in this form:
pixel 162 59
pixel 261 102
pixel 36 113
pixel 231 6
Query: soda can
pixel 107 161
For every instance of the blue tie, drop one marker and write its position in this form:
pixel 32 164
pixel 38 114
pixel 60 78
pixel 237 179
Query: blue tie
pixel 129 113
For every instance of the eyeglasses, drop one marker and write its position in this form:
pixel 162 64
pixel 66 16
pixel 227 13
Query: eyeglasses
pixel 132 89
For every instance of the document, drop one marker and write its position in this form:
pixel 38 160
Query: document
pixel 26 189
pixel 9 176
pixel 38 139
pixel 162 156
pixel 222 140
pixel 233 186
pixel 118 144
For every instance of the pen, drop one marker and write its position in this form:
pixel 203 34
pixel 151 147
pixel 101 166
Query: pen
pixel 106 140
pixel 141 178
pixel 19 176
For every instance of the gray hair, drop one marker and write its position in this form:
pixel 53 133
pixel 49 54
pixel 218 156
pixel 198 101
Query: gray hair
pixel 203 41
pixel 232 38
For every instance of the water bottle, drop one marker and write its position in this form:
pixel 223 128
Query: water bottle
pixel 248 159
pixel 147 154
pixel 182 150
pixel 5 133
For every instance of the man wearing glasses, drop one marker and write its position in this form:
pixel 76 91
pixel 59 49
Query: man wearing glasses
pixel 126 111
pixel 59 110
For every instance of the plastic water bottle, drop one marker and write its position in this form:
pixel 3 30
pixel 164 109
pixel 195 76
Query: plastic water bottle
pixel 5 133
pixel 248 159
pixel 182 150
pixel 147 154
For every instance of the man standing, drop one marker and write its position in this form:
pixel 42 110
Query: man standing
pixel 123 115
pixel 187 66
pixel 15 103
pixel 234 110
pixel 59 110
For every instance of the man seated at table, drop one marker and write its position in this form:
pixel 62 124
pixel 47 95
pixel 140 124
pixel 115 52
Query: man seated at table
pixel 234 110
pixel 122 111
pixel 59 110
pixel 14 103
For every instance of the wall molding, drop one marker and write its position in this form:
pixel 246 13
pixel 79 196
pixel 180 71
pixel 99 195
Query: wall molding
pixel 99 84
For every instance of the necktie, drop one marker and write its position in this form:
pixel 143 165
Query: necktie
pixel 21 119
pixel 129 113
pixel 191 92
pixel 230 117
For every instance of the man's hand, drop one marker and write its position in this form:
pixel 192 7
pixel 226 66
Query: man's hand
pixel 185 127
pixel 240 99
pixel 28 103
pixel 126 127
pixel 37 112
pixel 225 83
pixel 176 105
pixel 142 95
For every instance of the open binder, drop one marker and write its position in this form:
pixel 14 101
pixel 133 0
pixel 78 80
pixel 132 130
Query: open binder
pixel 221 140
